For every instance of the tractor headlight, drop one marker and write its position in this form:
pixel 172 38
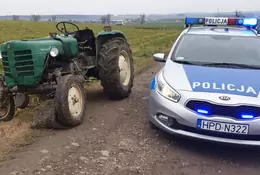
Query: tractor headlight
pixel 54 52
pixel 165 90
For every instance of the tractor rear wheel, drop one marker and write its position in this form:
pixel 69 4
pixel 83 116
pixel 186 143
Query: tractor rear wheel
pixel 70 101
pixel 116 68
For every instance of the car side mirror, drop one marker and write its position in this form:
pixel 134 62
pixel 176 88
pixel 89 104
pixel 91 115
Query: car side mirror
pixel 160 57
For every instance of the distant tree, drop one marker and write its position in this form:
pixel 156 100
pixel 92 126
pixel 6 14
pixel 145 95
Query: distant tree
pixel 35 17
pixel 239 14
pixel 103 19
pixel 53 18
pixel 15 17
pixel 181 14
pixel 142 18
pixel 108 18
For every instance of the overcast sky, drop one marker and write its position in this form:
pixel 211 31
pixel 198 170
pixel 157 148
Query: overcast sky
pixel 41 7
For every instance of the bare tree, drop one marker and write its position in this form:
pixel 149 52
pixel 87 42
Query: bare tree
pixel 142 18
pixel 239 14
pixel 15 17
pixel 53 18
pixel 35 17
pixel 103 19
pixel 108 18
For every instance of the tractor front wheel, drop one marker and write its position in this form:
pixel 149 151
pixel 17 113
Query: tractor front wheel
pixel 7 106
pixel 116 68
pixel 70 101
pixel 7 109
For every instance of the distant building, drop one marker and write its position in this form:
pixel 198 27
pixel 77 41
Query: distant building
pixel 120 23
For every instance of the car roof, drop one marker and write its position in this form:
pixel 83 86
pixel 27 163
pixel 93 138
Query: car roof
pixel 230 31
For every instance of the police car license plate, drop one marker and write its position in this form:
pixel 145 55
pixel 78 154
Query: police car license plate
pixel 223 127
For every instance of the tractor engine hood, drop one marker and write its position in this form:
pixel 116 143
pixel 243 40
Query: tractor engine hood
pixel 24 60
pixel 67 46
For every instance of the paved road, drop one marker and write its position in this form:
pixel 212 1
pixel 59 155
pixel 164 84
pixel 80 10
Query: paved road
pixel 115 139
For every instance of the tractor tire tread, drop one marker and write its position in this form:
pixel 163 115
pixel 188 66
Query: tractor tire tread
pixel 109 71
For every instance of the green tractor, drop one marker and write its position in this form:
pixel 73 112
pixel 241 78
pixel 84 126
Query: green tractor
pixel 57 67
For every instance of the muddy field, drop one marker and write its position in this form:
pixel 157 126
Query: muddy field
pixel 115 139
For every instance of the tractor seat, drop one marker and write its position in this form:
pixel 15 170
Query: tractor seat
pixel 86 41
pixel 85 37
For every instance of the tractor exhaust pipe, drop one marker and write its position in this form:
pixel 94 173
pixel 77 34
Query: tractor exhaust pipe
pixel 41 89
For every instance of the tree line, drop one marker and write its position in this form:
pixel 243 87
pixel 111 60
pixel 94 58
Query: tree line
pixel 105 19
pixel 34 17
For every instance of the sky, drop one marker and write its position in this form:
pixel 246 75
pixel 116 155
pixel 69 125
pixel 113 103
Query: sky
pixel 45 7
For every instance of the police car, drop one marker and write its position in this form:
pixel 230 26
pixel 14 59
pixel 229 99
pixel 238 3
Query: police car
pixel 209 87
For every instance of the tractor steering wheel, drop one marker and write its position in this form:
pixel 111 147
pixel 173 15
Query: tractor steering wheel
pixel 63 28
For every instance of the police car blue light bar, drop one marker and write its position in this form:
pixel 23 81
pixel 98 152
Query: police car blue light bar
pixel 246 22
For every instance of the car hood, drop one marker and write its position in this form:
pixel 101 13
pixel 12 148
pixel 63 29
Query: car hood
pixel 245 82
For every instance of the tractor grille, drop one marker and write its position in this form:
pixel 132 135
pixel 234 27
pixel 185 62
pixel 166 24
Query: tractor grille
pixel 23 63
pixel 6 64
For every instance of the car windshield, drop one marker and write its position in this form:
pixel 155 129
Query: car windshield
pixel 214 49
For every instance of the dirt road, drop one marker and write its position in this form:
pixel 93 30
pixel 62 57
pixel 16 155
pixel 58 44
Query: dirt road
pixel 116 139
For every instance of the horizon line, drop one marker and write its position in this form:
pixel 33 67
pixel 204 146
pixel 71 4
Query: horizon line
pixel 118 14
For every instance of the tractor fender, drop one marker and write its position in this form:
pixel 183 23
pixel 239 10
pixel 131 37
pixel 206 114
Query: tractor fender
pixel 104 36
pixel 111 32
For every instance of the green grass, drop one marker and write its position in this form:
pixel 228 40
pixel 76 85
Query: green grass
pixel 144 40
pixel 161 25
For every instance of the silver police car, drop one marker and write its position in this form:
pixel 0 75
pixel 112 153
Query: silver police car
pixel 209 87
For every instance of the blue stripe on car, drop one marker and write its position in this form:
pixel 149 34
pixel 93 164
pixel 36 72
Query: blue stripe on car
pixel 244 82
pixel 152 86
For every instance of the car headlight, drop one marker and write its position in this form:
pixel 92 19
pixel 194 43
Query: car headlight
pixel 165 90
pixel 54 52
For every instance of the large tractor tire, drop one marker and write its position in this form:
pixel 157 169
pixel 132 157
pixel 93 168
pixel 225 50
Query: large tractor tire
pixel 7 106
pixel 116 68
pixel 70 101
